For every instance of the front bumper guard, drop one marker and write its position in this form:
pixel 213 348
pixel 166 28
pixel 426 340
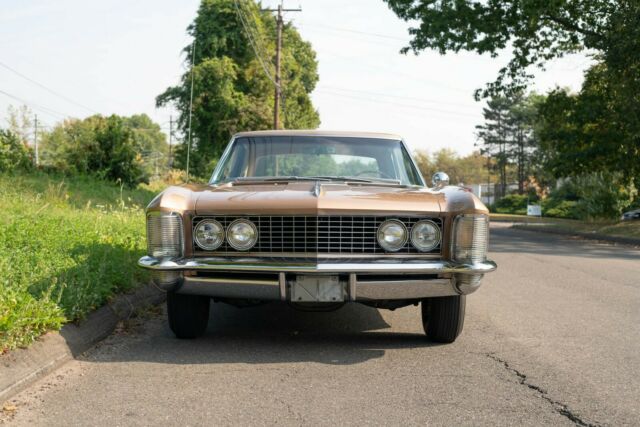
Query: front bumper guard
pixel 364 280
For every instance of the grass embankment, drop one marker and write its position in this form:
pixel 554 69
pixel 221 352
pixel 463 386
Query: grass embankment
pixel 66 246
pixel 628 229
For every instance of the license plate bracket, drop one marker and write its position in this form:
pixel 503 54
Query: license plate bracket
pixel 317 288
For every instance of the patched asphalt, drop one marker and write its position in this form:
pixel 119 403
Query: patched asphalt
pixel 552 337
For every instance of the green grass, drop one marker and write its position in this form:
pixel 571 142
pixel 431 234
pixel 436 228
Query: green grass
pixel 629 229
pixel 66 246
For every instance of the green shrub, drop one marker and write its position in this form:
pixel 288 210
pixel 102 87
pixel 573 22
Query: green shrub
pixel 101 146
pixel 593 196
pixel 14 155
pixel 512 204
pixel 562 209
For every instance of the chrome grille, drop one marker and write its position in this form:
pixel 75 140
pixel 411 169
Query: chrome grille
pixel 317 234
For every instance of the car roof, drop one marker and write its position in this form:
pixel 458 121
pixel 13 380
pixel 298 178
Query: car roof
pixel 345 134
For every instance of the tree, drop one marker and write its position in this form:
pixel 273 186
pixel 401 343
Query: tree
pixel 150 142
pixel 535 31
pixel 508 135
pixel 590 131
pixel 461 170
pixel 14 155
pixel 231 91
pixel 99 146
pixel 20 122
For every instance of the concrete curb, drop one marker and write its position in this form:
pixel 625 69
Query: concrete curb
pixel 22 367
pixel 589 236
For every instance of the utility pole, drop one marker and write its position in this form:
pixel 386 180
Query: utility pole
pixel 170 139
pixel 35 139
pixel 278 89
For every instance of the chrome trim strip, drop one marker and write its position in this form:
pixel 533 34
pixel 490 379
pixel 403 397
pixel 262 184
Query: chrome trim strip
pixel 367 290
pixel 319 255
pixel 352 286
pixel 374 265
pixel 282 284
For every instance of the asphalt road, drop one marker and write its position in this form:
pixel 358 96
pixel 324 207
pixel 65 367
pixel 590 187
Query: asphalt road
pixel 553 337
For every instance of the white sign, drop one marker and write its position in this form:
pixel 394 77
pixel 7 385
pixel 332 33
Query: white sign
pixel 534 210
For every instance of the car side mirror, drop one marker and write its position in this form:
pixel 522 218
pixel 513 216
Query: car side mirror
pixel 440 180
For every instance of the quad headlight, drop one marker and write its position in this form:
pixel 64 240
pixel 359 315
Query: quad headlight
pixel 242 234
pixel 392 235
pixel 425 235
pixel 209 234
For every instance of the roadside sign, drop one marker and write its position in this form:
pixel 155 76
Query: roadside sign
pixel 534 210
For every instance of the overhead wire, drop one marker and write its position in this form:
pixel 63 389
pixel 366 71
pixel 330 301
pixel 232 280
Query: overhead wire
pixel 49 111
pixel 253 43
pixel 389 95
pixel 53 92
pixel 398 104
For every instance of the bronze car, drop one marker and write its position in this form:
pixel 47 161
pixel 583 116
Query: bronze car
pixel 318 219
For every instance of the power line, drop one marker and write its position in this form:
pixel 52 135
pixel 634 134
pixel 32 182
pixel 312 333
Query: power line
pixel 416 107
pixel 46 88
pixel 252 43
pixel 348 30
pixel 48 111
pixel 388 95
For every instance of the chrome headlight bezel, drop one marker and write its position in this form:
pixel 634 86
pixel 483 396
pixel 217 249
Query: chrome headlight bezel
pixel 165 235
pixel 436 231
pixel 234 244
pixel 380 235
pixel 470 238
pixel 200 243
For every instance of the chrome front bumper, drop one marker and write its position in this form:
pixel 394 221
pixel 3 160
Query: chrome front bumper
pixel 269 279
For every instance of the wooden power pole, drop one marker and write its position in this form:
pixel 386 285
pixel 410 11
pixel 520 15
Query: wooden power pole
pixel 278 80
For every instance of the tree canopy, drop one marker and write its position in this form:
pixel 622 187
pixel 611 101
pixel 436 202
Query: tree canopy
pixel 535 31
pixel 232 79
pixel 99 146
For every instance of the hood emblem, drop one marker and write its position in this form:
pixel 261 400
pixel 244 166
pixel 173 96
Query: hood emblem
pixel 317 189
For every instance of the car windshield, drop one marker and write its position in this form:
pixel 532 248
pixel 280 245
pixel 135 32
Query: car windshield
pixel 265 158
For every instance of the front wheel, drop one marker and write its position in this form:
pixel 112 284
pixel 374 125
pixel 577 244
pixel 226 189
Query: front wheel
pixel 188 314
pixel 443 317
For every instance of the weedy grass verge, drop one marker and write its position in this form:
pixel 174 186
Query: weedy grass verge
pixel 66 246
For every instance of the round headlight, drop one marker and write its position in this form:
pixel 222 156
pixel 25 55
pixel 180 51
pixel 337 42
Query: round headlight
pixel 242 234
pixel 209 234
pixel 425 235
pixel 392 235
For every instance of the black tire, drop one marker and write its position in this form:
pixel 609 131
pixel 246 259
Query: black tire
pixel 443 317
pixel 188 314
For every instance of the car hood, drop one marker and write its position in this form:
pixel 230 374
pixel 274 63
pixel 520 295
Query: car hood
pixel 314 198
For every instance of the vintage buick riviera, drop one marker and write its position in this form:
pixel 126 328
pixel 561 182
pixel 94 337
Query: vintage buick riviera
pixel 318 219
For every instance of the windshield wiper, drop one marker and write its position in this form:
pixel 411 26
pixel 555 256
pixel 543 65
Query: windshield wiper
pixel 357 179
pixel 278 178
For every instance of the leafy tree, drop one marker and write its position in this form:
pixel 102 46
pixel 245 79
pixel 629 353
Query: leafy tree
pixel 150 142
pixel 534 31
pixel 100 146
pixel 600 126
pixel 508 135
pixel 20 121
pixel 590 131
pixel 14 154
pixel 461 170
pixel 231 92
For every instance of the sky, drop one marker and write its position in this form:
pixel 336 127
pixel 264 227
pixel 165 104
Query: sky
pixel 74 58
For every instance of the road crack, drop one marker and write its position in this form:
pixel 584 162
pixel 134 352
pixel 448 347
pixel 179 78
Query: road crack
pixel 559 407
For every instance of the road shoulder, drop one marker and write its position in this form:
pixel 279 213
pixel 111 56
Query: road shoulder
pixel 22 367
